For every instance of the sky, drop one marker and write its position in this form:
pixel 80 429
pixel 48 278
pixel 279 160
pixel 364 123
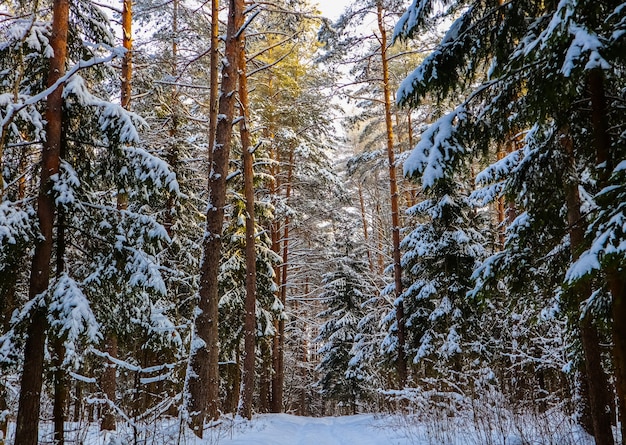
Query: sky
pixel 332 8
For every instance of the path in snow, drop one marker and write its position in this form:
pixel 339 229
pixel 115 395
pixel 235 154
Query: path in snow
pixel 284 429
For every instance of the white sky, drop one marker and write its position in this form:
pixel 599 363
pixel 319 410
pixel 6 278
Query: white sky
pixel 332 8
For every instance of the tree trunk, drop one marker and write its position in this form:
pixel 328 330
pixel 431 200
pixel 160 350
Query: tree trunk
pixel 213 75
pixel 365 229
pixel 599 398
pixel 278 382
pixel 127 61
pixel 247 384
pixel 401 365
pixel 58 343
pixel 173 152
pixel 4 415
pixel 27 428
pixel 615 277
pixel 274 404
pixel 266 378
pixel 109 376
pixel 109 384
pixel 618 292
pixel 203 371
pixel 60 391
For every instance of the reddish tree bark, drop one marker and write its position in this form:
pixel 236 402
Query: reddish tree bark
pixel 401 364
pixel 203 373
pixel 247 384
pixel 27 428
pixel 598 384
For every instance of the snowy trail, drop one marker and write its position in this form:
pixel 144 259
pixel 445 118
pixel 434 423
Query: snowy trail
pixel 285 429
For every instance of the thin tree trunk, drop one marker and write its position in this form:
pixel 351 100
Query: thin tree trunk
pixel 266 378
pixel 172 155
pixel 276 341
pixel 203 371
pixel 616 278
pixel 4 420
pixel 247 384
pixel 60 391
pixel 127 61
pixel 599 398
pixel 27 428
pixel 58 343
pixel 109 383
pixel 401 365
pixel 618 292
pixel 109 376
pixel 275 229
pixel 213 75
pixel 365 229
pixel 278 382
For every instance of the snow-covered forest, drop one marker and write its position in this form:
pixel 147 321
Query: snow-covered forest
pixel 212 211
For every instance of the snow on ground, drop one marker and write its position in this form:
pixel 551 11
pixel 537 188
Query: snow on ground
pixel 380 429
pixel 363 429
pixel 285 429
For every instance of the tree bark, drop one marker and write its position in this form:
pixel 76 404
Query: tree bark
pixel 278 382
pixel 58 343
pixel 27 428
pixel 127 61
pixel 599 397
pixel 365 228
pixel 615 275
pixel 401 365
pixel 173 151
pixel 266 378
pixel 203 370
pixel 60 391
pixel 109 383
pixel 109 376
pixel 618 292
pixel 247 380
pixel 213 75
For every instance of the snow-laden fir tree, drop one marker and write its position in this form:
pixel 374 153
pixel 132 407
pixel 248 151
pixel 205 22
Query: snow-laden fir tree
pixel 344 291
pixel 441 253
pixel 552 67
pixel 98 155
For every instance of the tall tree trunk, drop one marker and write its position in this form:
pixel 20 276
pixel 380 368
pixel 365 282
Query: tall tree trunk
pixel 278 382
pixel 172 154
pixel 109 376
pixel 203 371
pixel 401 365
pixel 275 229
pixel 109 383
pixel 598 384
pixel 58 343
pixel 618 292
pixel 247 380
pixel 365 229
pixel 275 405
pixel 27 428
pixel 213 75
pixel 615 276
pixel 127 61
pixel 265 378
